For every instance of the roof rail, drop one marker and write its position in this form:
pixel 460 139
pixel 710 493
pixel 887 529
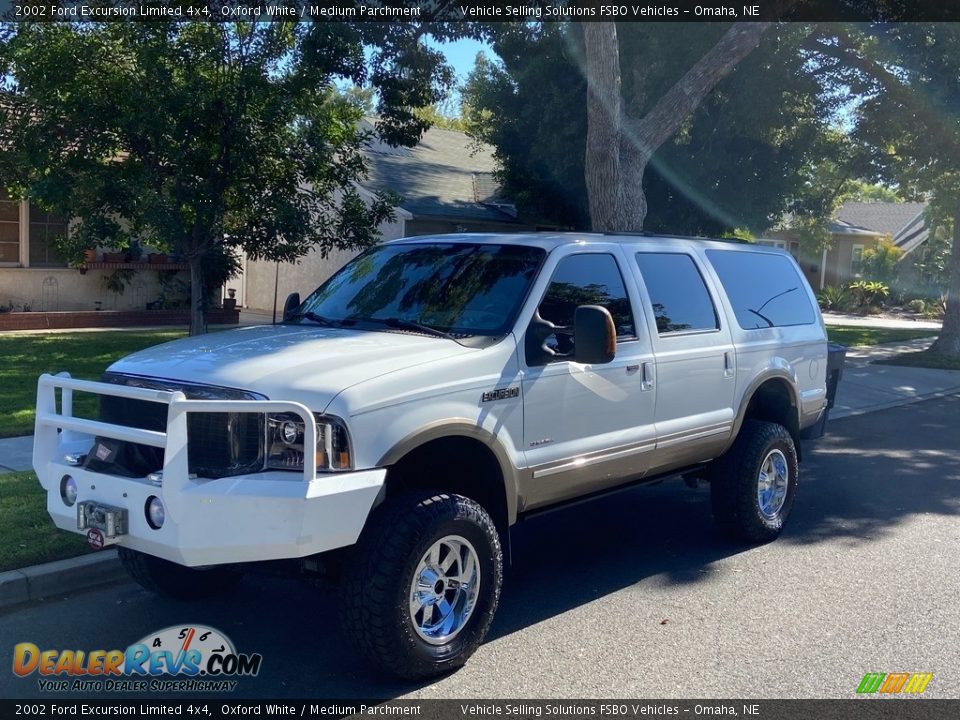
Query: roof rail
pixel 645 233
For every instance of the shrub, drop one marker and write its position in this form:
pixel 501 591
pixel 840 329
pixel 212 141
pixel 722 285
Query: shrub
pixel 918 305
pixel 880 262
pixel 833 297
pixel 868 293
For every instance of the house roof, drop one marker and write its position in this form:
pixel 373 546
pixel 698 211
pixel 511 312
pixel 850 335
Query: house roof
pixel 902 222
pixel 446 175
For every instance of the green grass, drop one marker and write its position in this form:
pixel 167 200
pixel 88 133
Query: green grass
pixel 922 359
pixel 27 534
pixel 23 358
pixel 854 335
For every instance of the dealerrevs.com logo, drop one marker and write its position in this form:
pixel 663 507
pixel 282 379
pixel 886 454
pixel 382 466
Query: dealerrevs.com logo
pixel 188 658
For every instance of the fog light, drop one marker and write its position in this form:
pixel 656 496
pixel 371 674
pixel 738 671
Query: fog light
pixel 155 512
pixel 68 490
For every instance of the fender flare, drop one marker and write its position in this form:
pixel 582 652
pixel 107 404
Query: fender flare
pixel 462 427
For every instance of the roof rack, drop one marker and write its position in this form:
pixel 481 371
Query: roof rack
pixel 645 233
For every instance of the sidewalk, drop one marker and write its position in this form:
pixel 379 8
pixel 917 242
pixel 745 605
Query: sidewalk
pixel 880 321
pixel 867 388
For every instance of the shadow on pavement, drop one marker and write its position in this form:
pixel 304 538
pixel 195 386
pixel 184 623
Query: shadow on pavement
pixel 871 473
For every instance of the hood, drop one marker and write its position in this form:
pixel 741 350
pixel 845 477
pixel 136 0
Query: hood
pixel 309 364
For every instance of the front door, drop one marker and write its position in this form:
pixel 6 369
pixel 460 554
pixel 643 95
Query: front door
pixel 586 427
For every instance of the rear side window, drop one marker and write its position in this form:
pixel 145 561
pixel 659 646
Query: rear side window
pixel 679 296
pixel 765 289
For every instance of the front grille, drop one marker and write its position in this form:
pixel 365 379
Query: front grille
pixel 218 444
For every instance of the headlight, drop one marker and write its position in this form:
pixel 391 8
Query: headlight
pixel 285 449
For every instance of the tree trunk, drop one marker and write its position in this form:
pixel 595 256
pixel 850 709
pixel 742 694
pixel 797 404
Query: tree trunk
pixel 602 161
pixel 949 341
pixel 198 324
pixel 619 148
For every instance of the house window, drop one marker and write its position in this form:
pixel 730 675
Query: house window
pixel 44 229
pixel 856 260
pixel 781 244
pixel 9 230
pixel 795 249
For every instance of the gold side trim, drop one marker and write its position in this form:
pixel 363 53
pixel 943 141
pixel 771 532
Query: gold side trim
pixel 587 461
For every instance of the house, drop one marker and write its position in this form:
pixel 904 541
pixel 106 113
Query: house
pixel 446 185
pixel 855 228
pixel 33 276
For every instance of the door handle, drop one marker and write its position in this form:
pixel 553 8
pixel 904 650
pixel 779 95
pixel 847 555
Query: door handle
pixel 646 376
pixel 727 364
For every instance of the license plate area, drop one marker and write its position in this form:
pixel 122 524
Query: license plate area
pixel 111 521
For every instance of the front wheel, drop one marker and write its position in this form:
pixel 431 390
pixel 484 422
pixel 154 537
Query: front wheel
pixel 752 486
pixel 177 581
pixel 421 588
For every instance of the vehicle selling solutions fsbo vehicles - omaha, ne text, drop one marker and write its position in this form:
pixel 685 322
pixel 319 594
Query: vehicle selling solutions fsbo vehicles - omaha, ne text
pixel 436 390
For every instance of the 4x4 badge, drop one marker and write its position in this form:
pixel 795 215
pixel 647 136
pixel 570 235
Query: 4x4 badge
pixel 500 394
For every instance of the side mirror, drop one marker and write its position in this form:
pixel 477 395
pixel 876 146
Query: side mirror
pixel 594 335
pixel 291 304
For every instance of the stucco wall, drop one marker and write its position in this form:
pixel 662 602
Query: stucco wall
pixel 67 289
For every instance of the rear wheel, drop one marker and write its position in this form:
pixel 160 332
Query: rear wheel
pixel 177 581
pixel 752 486
pixel 423 584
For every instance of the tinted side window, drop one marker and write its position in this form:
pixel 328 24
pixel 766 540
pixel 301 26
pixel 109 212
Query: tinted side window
pixel 679 296
pixel 764 289
pixel 588 280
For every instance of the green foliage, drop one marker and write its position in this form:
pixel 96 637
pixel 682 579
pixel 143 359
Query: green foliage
pixel 733 164
pixel 867 294
pixel 27 534
pixel 834 298
pixel 201 137
pixel 917 305
pixel 881 262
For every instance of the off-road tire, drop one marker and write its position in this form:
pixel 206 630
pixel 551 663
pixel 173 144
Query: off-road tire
pixel 177 581
pixel 376 583
pixel 734 481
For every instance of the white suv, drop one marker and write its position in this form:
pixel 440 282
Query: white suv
pixel 446 387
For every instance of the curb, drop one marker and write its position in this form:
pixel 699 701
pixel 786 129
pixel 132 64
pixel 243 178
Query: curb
pixel 39 581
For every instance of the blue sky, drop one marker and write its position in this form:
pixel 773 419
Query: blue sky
pixel 461 53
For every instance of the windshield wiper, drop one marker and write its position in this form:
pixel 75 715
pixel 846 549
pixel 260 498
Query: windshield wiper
pixel 319 319
pixel 401 324
pixel 767 302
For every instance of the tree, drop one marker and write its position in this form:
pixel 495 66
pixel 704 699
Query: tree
pixel 620 143
pixel 204 137
pixel 909 121
pixel 736 161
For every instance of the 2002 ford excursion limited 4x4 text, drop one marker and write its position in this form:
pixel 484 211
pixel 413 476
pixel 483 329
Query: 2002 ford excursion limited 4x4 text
pixel 428 396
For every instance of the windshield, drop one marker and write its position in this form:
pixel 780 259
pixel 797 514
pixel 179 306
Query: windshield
pixel 457 288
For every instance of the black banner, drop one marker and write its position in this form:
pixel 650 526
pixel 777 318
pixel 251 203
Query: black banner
pixel 480 10
pixel 854 709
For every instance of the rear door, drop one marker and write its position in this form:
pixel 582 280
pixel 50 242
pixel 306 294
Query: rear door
pixel 695 359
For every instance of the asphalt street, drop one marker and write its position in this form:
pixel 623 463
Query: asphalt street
pixel 636 596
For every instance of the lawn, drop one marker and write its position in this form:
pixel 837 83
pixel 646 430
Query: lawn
pixel 855 335
pixel 27 534
pixel 23 358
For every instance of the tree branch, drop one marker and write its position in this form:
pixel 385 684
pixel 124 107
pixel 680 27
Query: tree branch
pixel 675 106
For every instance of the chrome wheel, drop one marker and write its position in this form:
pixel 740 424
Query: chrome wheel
pixel 772 483
pixel 444 590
